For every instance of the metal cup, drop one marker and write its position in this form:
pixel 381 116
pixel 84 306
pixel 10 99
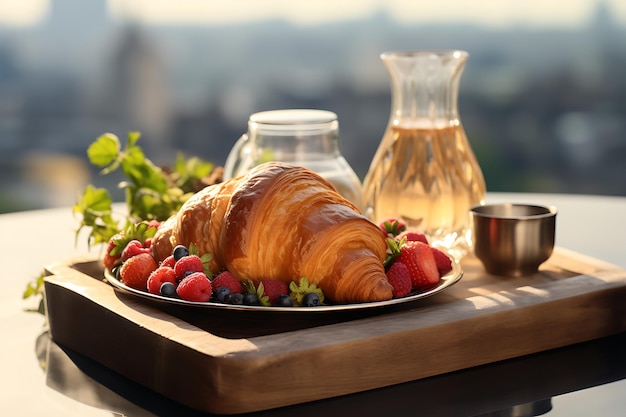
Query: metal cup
pixel 513 239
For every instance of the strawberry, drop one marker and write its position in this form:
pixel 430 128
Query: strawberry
pixel 195 287
pixel 419 259
pixel 158 277
pixel 188 264
pixel 413 237
pixel 116 245
pixel 272 289
pixel 399 277
pixel 135 271
pixel 228 280
pixel 443 261
pixel 111 254
pixel 392 227
pixel 134 247
pixel 109 260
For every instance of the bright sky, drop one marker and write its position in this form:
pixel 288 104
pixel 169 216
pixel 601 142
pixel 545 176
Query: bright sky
pixel 488 12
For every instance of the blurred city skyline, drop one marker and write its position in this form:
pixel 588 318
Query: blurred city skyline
pixel 543 104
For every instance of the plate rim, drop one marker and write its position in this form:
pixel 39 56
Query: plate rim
pixel 445 282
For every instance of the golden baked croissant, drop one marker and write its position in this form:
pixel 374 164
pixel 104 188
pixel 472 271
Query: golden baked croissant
pixel 284 222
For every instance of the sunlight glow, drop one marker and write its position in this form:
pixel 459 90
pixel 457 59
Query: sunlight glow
pixel 531 13
pixel 23 12
pixel 484 12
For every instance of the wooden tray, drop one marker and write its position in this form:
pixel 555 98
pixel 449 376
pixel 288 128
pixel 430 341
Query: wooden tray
pixel 230 365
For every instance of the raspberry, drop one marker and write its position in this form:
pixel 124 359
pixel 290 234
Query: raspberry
pixel 227 280
pixel 158 277
pixel 169 261
pixel 186 265
pixel 399 277
pixel 413 237
pixel 154 224
pixel 135 271
pixel 443 261
pixel 134 247
pixel 195 287
pixel 420 261
pixel 272 289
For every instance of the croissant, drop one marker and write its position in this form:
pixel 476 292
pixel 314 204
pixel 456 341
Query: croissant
pixel 283 222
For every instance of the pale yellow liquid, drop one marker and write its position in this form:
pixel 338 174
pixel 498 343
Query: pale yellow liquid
pixel 429 178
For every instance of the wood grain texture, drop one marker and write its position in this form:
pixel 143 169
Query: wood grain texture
pixel 217 363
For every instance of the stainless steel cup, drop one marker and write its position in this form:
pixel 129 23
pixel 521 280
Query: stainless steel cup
pixel 513 239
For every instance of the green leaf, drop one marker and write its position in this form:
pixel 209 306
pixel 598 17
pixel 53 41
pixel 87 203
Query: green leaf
pixel 206 259
pixel 35 289
pixel 299 289
pixel 95 206
pixel 94 199
pixel 104 151
pixel 263 299
pixel 132 138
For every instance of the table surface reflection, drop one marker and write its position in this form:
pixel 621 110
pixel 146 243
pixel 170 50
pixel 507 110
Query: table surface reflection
pixel 42 378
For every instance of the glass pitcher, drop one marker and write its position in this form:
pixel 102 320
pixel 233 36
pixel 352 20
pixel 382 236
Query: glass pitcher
pixel 424 171
pixel 303 137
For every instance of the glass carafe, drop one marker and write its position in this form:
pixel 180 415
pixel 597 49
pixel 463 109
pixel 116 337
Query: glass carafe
pixel 424 171
pixel 303 137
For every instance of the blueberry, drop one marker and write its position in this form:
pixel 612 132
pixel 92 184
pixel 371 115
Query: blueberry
pixel 180 251
pixel 235 299
pixel 311 299
pixel 168 289
pixel 251 299
pixel 221 294
pixel 284 301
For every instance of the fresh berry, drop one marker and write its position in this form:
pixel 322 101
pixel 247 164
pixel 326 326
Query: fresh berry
pixel 399 277
pixel 160 276
pixel 250 299
pixel 284 301
pixel 311 299
pixel 392 227
pixel 169 261
pixel 228 280
pixel 235 299
pixel 134 247
pixel 272 289
pixel 168 290
pixel 443 261
pixel 112 257
pixel 220 294
pixel 186 265
pixel 148 242
pixel 195 287
pixel 413 237
pixel 180 251
pixel 300 288
pixel 135 271
pixel 420 261
pixel 154 224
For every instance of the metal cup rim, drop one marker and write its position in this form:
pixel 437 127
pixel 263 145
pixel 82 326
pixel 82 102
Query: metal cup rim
pixel 481 210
